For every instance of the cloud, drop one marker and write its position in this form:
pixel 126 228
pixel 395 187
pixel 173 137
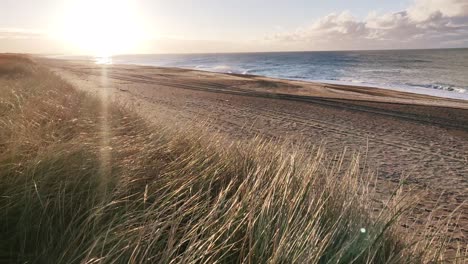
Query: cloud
pixel 423 9
pixel 425 24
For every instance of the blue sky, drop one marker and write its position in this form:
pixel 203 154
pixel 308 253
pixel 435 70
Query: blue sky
pixel 241 25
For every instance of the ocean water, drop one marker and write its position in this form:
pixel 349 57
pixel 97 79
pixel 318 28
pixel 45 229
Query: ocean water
pixel 442 72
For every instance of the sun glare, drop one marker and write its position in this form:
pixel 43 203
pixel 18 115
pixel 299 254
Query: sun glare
pixel 102 28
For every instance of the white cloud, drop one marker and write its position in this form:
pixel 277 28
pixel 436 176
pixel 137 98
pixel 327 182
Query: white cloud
pixel 425 24
pixel 423 9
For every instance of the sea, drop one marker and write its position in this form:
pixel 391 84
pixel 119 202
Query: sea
pixel 438 72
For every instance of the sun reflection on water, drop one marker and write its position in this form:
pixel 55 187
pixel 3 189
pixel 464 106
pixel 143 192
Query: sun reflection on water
pixel 103 60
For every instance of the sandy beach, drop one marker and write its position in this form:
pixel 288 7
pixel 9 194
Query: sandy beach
pixel 420 138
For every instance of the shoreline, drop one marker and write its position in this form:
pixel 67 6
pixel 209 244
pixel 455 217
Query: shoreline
pixel 365 88
pixel 408 88
pixel 439 93
pixel 420 90
pixel 323 83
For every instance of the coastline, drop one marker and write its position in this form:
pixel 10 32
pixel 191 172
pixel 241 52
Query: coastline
pixel 434 90
pixel 439 93
pixel 460 100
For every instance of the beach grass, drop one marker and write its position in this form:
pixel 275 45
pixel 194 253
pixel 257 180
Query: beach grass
pixel 84 180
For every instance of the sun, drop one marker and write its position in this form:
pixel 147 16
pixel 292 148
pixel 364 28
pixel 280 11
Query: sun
pixel 102 27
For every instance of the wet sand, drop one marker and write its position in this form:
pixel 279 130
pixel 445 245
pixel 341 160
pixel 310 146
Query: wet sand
pixel 420 137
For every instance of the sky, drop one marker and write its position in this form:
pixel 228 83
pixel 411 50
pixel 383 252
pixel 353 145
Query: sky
pixel 108 27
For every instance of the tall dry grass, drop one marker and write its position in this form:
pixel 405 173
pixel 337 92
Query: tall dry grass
pixel 83 185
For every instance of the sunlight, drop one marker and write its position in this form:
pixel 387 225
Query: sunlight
pixel 105 60
pixel 105 148
pixel 102 28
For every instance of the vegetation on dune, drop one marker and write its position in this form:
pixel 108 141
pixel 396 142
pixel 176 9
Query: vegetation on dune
pixel 82 181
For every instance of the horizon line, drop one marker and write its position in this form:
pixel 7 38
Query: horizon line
pixel 238 52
